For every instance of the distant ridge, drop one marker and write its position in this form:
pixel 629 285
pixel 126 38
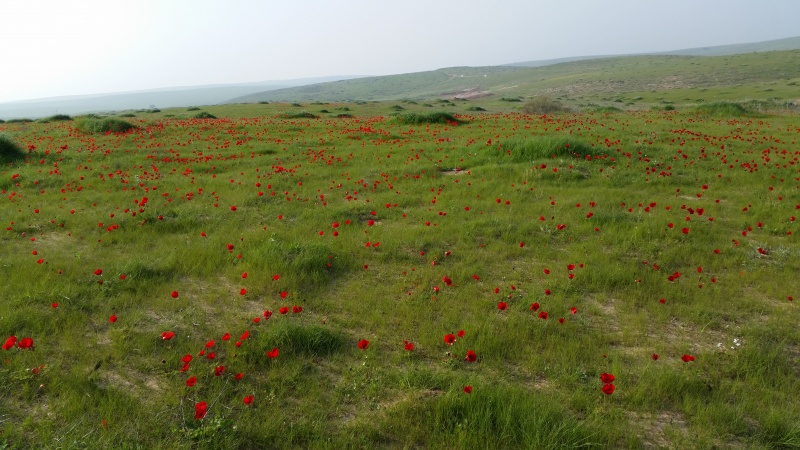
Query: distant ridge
pixel 792 43
pixel 699 67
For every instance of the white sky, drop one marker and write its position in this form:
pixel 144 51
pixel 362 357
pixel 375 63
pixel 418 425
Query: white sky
pixel 69 47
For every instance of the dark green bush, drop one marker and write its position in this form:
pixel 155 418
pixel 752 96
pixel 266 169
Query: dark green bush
pixel 193 108
pixel 511 99
pixel 9 149
pixel 22 120
pixel 297 115
pixel 723 109
pixel 543 105
pixel 88 125
pixel 420 118
pixel 204 115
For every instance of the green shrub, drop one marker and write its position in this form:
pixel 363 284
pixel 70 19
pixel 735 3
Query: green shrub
pixel 88 125
pixel 9 149
pixel 475 108
pixel 297 115
pixel 22 120
pixel 397 108
pixel 606 109
pixel 204 115
pixel 193 108
pixel 511 99
pixel 723 109
pixel 543 105
pixel 433 117
pixel 55 118
pixel 127 115
pixel 529 150
pixel 344 116
pixel 2 121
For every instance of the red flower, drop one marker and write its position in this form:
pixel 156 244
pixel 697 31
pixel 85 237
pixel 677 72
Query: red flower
pixel 242 291
pixel 408 345
pixel 284 310
pixel 219 370
pixel 248 400
pixel 685 231
pixel 447 280
pixel 226 337
pixel 210 343
pixel 25 343
pixel 363 344
pixel 272 354
pixel 471 357
pixel 200 410
pixel 191 381
pixel 297 309
pixel 687 358
pixel 449 338
pixel 502 306
pixel 573 310
pixel 467 389
pixel 174 294
pixel 167 335
pixel 98 272
pixel 608 389
pixel 543 315
pixel 606 378
pixel 10 342
pixel 460 333
pixel 238 376
pixel 534 306
pixel 654 357
pixel 187 358
pixel 112 318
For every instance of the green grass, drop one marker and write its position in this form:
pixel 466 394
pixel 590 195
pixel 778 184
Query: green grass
pixel 309 235
pixel 723 109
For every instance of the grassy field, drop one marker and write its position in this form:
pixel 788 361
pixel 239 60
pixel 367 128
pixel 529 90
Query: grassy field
pixel 358 280
pixel 629 82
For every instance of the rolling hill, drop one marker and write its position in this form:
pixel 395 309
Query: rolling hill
pixel 765 75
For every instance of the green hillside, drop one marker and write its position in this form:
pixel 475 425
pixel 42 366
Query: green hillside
pixel 684 79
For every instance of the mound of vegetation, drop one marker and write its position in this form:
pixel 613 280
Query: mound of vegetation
pixel 511 99
pixel 297 115
pixel 93 124
pixel 204 115
pixel 55 118
pixel 193 108
pixel 9 149
pixel 723 109
pixel 21 120
pixel 422 118
pixel 127 115
pixel 475 108
pixel 606 109
pixel 543 105
pixel 344 116
pixel 529 150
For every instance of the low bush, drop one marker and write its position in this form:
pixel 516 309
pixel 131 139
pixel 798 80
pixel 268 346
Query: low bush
pixel 723 109
pixel 9 149
pixel 89 125
pixel 204 115
pixel 433 117
pixel 543 105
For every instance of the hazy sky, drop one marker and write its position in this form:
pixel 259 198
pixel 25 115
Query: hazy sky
pixel 68 47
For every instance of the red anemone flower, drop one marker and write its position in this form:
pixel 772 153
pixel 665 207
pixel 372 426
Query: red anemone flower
pixel 200 410
pixel 363 344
